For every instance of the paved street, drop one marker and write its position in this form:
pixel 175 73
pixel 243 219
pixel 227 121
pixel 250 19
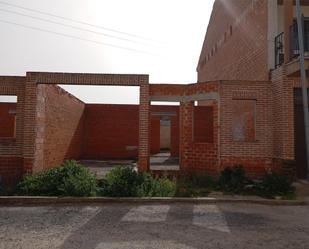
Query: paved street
pixel 180 226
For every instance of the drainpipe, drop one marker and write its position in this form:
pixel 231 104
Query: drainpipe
pixel 303 77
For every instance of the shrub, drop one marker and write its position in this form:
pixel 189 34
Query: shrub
pixel 121 182
pixel 70 179
pixel 126 182
pixel 233 179
pixel 156 187
pixel 198 180
pixel 273 185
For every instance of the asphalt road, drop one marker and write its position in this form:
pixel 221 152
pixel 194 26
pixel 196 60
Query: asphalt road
pixel 155 226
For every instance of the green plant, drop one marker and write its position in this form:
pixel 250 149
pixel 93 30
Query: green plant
pixel 195 184
pixel 233 179
pixel 198 180
pixel 273 185
pixel 121 182
pixel 70 179
pixel 156 187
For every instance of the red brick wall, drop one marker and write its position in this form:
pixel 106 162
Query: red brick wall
pixel 110 131
pixel 155 135
pixel 198 156
pixel 62 124
pixel 12 149
pixel 7 124
pixel 203 124
pixel 255 155
pixel 235 45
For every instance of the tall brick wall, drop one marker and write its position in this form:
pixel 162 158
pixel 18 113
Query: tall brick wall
pixel 62 125
pixel 235 45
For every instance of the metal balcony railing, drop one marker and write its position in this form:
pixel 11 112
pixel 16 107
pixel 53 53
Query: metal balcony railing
pixel 294 47
pixel 279 50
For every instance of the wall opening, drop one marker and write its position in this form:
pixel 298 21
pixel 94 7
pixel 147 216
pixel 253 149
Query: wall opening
pixel 164 136
pixel 84 123
pixel 126 95
pixel 8 106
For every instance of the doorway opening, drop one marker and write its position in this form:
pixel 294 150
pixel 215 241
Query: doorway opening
pixel 164 136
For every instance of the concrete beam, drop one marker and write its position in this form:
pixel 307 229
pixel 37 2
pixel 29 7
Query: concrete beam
pixel 187 98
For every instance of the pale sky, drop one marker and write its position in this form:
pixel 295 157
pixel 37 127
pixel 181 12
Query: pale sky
pixel 162 38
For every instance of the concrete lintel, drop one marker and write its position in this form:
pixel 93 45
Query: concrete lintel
pixel 163 113
pixel 166 98
pixel 188 98
pixel 202 96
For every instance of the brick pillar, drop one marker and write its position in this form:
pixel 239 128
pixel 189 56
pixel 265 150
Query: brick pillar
pixel 29 123
pixel 288 21
pixel 144 127
pixel 40 130
pixel 186 135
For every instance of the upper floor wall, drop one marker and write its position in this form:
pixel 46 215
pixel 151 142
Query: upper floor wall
pixel 246 39
pixel 235 45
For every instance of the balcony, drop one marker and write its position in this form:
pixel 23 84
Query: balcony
pixel 292 64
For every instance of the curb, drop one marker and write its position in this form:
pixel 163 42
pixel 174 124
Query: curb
pixel 36 200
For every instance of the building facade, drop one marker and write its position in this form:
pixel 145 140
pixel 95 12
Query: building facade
pixel 244 110
pixel 257 40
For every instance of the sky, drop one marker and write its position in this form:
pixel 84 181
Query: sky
pixel 162 38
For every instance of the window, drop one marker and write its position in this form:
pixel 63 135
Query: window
pixel 203 124
pixel 8 116
pixel 243 120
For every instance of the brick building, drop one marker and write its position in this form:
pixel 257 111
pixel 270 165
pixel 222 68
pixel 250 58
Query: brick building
pixel 257 41
pixel 243 110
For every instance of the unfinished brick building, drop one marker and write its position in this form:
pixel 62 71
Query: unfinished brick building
pixel 257 41
pixel 243 110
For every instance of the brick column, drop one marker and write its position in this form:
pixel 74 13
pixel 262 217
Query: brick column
pixel 288 21
pixel 186 135
pixel 29 123
pixel 144 127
